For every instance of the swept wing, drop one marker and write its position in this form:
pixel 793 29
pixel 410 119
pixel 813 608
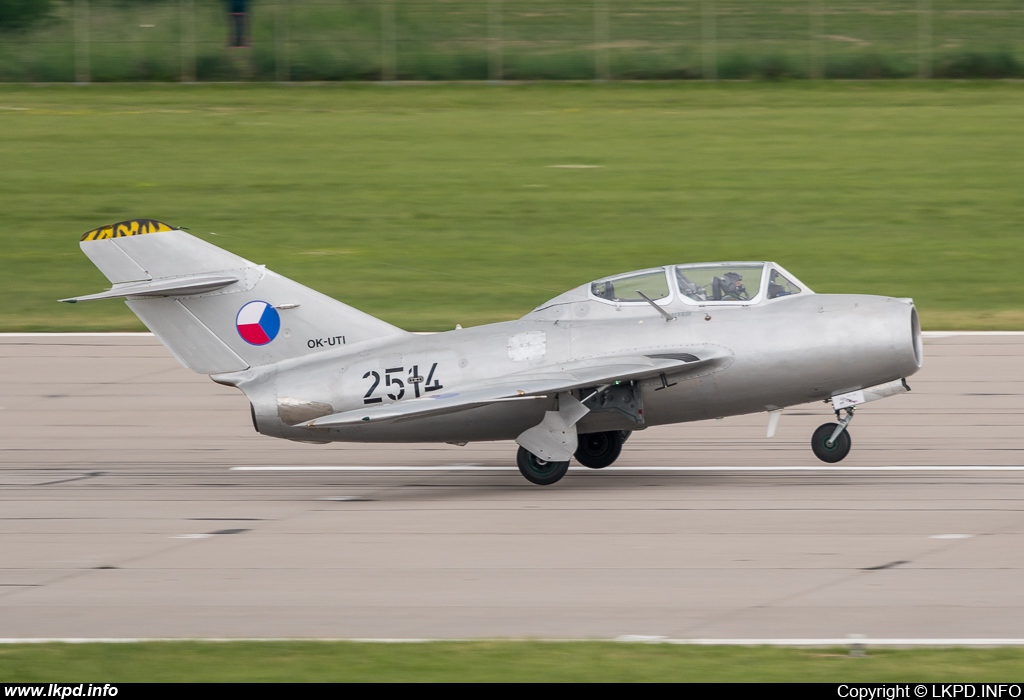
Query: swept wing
pixel 534 384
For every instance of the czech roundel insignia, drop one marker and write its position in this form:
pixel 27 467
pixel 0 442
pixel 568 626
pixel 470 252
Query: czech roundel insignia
pixel 258 323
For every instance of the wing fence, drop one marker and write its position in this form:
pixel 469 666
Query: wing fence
pixel 507 40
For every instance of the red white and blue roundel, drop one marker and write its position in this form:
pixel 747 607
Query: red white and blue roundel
pixel 258 323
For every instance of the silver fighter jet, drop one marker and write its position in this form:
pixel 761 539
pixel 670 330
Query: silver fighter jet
pixel 572 378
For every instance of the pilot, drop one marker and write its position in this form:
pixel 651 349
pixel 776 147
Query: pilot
pixel 729 286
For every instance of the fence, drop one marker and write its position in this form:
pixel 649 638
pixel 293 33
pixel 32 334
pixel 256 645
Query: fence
pixel 303 40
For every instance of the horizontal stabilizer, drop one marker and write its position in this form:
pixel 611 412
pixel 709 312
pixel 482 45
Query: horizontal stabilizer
pixel 166 287
pixel 533 384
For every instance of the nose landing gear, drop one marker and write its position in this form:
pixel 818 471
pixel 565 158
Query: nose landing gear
pixel 831 442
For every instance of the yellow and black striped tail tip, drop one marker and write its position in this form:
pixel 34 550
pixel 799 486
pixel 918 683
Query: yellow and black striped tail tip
pixel 132 227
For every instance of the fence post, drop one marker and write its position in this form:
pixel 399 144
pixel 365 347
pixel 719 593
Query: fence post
pixel 709 38
pixel 601 40
pixel 494 41
pixel 187 10
pixel 281 67
pixel 924 38
pixel 817 30
pixel 81 41
pixel 388 62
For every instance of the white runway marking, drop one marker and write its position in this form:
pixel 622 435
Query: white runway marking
pixel 452 468
pixel 475 468
pixel 832 642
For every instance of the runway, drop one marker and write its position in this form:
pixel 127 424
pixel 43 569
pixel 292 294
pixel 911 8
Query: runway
pixel 139 502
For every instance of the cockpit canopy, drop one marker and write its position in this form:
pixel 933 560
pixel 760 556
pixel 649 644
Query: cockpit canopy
pixel 700 284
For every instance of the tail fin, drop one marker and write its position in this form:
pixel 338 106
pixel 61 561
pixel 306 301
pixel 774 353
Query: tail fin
pixel 215 311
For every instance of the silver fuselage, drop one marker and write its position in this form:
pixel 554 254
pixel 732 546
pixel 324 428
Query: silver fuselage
pixel 770 355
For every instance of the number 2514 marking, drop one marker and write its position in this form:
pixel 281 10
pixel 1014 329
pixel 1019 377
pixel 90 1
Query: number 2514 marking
pixel 394 384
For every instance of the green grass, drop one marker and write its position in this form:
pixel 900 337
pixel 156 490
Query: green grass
pixel 535 39
pixel 431 206
pixel 492 661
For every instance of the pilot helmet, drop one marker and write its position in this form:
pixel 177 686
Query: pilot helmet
pixel 733 280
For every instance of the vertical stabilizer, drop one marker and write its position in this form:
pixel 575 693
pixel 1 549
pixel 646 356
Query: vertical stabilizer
pixel 215 311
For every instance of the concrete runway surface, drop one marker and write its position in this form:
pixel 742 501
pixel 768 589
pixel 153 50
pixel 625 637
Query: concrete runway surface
pixel 124 516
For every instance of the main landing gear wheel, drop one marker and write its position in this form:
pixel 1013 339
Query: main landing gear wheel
pixel 838 450
pixel 598 450
pixel 537 470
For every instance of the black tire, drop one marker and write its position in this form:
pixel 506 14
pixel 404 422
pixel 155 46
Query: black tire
pixel 598 450
pixel 538 471
pixel 838 451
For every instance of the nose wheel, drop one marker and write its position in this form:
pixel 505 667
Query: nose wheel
pixel 831 442
pixel 840 446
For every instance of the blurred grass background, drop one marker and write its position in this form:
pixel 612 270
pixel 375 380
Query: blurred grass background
pixel 491 661
pixel 436 205
pixel 309 40
pixel 431 206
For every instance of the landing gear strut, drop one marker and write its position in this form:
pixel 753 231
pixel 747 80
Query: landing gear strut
pixel 831 441
pixel 599 450
pixel 539 471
